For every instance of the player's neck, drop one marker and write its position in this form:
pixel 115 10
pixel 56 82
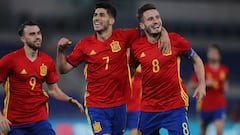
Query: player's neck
pixel 104 35
pixel 215 65
pixel 152 39
pixel 30 53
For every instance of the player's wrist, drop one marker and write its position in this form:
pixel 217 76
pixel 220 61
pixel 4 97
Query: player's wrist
pixel 60 48
pixel 70 100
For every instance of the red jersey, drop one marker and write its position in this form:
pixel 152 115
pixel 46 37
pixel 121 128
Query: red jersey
pixel 163 88
pixel 106 69
pixel 135 96
pixel 216 91
pixel 25 100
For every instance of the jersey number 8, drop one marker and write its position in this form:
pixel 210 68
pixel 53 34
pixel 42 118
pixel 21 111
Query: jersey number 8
pixel 155 66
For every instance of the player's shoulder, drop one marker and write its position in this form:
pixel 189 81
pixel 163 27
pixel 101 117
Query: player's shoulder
pixel 174 36
pixel 45 56
pixel 139 42
pixel 123 32
pixel 224 67
pixel 12 55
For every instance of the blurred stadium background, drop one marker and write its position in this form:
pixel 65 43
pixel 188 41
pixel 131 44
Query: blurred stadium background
pixel 200 21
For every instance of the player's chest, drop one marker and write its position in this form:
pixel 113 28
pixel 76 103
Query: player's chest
pixel 219 75
pixel 152 55
pixel 27 69
pixel 112 50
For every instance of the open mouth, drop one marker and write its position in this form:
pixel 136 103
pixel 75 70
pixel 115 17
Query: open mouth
pixel 156 26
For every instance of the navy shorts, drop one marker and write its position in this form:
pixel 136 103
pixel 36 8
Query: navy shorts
pixel 107 120
pixel 175 121
pixel 208 117
pixel 36 128
pixel 132 120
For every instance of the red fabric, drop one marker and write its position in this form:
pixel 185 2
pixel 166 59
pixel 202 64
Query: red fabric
pixel 106 67
pixel 135 97
pixel 163 88
pixel 25 100
pixel 214 98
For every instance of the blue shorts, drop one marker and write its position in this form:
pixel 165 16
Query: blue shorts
pixel 107 120
pixel 175 121
pixel 36 128
pixel 208 117
pixel 132 120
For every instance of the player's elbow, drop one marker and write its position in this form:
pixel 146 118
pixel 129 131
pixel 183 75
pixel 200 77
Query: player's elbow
pixel 62 71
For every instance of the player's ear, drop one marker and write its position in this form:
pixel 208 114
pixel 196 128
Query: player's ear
pixel 112 21
pixel 141 25
pixel 22 39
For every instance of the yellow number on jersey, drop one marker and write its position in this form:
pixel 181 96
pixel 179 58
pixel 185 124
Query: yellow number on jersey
pixel 106 58
pixel 155 66
pixel 32 82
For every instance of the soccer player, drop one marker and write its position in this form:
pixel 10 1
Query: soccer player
pixel 213 106
pixel 133 105
pixel 164 95
pixel 106 70
pixel 23 73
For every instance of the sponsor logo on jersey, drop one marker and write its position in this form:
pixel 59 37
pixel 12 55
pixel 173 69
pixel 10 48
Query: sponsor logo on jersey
pixel 93 52
pixel 43 70
pixel 23 72
pixel 115 46
pixel 142 55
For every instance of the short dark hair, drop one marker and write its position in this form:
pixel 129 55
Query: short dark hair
pixel 217 47
pixel 22 26
pixel 143 9
pixel 110 9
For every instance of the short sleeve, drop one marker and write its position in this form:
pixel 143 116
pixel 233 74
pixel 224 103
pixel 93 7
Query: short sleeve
pixel 131 35
pixel 76 56
pixel 5 68
pixel 180 43
pixel 52 76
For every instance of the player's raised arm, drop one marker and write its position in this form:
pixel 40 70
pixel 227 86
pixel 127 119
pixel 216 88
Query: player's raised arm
pixel 58 94
pixel 200 90
pixel 63 66
pixel 164 43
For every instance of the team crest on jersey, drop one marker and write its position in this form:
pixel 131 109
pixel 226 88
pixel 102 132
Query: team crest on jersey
pixel 168 53
pixel 97 127
pixel 115 46
pixel 43 70
pixel 222 75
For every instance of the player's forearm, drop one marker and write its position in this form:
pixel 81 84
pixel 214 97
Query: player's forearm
pixel 226 86
pixel 55 92
pixel 62 62
pixel 199 69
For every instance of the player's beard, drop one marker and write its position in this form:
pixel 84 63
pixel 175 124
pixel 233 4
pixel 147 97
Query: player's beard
pixel 105 26
pixel 152 34
pixel 34 45
pixel 214 61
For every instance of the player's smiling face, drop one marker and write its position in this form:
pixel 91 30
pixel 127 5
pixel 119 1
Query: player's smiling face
pixel 101 20
pixel 151 22
pixel 32 37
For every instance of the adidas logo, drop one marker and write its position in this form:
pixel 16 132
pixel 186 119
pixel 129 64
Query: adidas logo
pixel 92 52
pixel 23 72
pixel 142 55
